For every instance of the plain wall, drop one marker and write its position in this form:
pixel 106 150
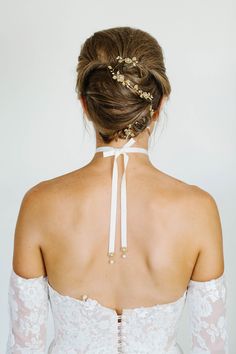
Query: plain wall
pixel 42 133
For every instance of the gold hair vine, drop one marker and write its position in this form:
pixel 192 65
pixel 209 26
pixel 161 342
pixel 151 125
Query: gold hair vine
pixel 129 132
pixel 133 61
pixel 125 82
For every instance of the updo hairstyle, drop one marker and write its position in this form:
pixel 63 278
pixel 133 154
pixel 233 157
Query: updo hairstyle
pixel 111 106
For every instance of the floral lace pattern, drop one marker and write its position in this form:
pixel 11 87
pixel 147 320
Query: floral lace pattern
pixel 87 323
pixel 87 327
pixel 207 312
pixel 28 309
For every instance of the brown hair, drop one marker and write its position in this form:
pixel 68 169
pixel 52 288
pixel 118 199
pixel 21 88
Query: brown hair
pixel 110 105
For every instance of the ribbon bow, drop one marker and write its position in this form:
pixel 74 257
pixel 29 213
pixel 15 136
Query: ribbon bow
pixel 116 152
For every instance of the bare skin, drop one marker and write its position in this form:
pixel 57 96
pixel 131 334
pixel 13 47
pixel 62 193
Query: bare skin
pixel 174 234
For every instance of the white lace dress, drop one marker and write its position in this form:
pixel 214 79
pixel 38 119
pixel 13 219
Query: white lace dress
pixel 87 327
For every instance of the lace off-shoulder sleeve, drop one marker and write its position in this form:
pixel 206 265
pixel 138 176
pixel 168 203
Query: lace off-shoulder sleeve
pixel 28 312
pixel 207 312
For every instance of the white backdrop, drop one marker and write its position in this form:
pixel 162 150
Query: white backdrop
pixel 42 133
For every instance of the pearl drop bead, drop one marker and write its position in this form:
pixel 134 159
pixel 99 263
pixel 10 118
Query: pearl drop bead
pixel 84 297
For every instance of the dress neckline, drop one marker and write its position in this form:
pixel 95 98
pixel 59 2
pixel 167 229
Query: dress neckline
pixel 93 302
pixel 117 151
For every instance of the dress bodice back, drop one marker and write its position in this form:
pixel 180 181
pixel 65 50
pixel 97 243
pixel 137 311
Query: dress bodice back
pixel 87 327
pixel 90 325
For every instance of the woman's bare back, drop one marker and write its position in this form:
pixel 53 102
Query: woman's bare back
pixel 73 211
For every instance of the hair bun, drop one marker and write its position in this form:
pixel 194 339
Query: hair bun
pixel 121 106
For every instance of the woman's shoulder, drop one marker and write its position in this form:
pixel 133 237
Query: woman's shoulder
pixel 193 205
pixel 190 197
pixel 48 195
pixel 184 191
pixel 54 187
pixel 200 216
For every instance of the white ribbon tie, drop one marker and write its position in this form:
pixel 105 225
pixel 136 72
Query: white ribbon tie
pixel 110 151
